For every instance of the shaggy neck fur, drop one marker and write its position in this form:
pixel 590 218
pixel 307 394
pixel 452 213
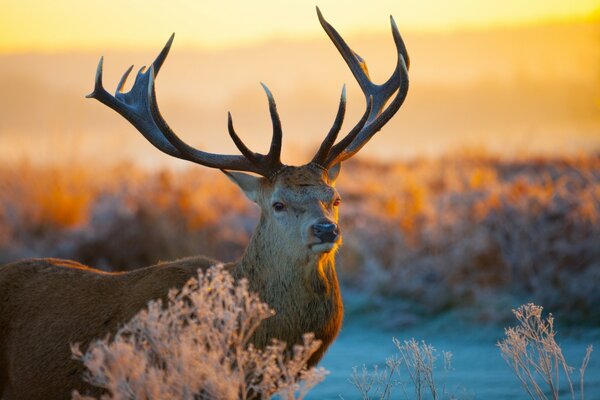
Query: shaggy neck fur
pixel 302 288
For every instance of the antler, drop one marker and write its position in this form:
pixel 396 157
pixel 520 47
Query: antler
pixel 139 107
pixel 377 96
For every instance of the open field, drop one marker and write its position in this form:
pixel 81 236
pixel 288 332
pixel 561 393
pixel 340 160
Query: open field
pixel 470 233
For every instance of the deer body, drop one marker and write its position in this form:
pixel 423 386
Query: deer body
pixel 60 302
pixel 47 304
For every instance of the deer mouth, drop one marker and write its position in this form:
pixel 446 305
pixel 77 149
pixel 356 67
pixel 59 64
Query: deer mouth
pixel 323 247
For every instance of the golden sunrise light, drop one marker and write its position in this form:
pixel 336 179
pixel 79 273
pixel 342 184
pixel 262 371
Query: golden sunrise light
pixel 508 76
pixel 464 184
pixel 29 25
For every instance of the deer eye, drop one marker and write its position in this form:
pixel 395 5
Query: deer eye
pixel 337 202
pixel 277 206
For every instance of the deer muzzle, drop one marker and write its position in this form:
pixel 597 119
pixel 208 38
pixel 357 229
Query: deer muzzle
pixel 326 232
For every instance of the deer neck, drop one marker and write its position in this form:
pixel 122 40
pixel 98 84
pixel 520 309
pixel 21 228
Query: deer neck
pixel 302 288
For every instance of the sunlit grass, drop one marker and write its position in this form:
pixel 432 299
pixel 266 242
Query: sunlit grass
pixel 469 231
pixel 531 351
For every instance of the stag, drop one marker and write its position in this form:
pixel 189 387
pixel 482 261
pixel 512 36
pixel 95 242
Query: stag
pixel 47 304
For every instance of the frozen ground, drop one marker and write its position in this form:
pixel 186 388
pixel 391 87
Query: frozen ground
pixel 479 372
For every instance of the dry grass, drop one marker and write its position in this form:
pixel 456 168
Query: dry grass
pixel 129 218
pixel 198 347
pixel 468 232
pixel 476 233
pixel 535 357
pixel 418 361
pixel 530 349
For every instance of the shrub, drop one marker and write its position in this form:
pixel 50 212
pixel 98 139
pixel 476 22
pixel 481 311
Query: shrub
pixel 530 349
pixel 198 346
pixel 418 360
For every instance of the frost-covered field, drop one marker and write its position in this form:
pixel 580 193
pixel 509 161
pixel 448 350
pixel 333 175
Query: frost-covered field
pixel 478 370
pixel 469 234
pixel 436 249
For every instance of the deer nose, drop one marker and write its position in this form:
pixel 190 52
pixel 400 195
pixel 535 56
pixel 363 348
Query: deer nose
pixel 327 232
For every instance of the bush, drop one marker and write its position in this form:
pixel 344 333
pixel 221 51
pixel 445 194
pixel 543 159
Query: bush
pixel 418 360
pixel 530 349
pixel 198 346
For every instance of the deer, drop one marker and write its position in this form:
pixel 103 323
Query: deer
pixel 48 304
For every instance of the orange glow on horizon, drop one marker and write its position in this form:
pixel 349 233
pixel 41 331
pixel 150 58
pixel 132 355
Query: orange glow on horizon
pixel 72 25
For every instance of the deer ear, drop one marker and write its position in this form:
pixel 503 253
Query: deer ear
pixel 333 172
pixel 248 183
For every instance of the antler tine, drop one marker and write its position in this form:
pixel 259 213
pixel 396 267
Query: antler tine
pixel 357 65
pixel 326 145
pixel 98 88
pixel 376 96
pixel 162 56
pixel 249 154
pixel 272 160
pixel 274 155
pixel 400 46
pixel 123 80
pixel 157 64
pixel 337 152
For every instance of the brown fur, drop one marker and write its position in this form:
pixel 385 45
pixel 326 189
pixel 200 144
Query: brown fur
pixel 47 304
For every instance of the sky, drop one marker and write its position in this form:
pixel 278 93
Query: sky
pixel 504 75
pixel 76 25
